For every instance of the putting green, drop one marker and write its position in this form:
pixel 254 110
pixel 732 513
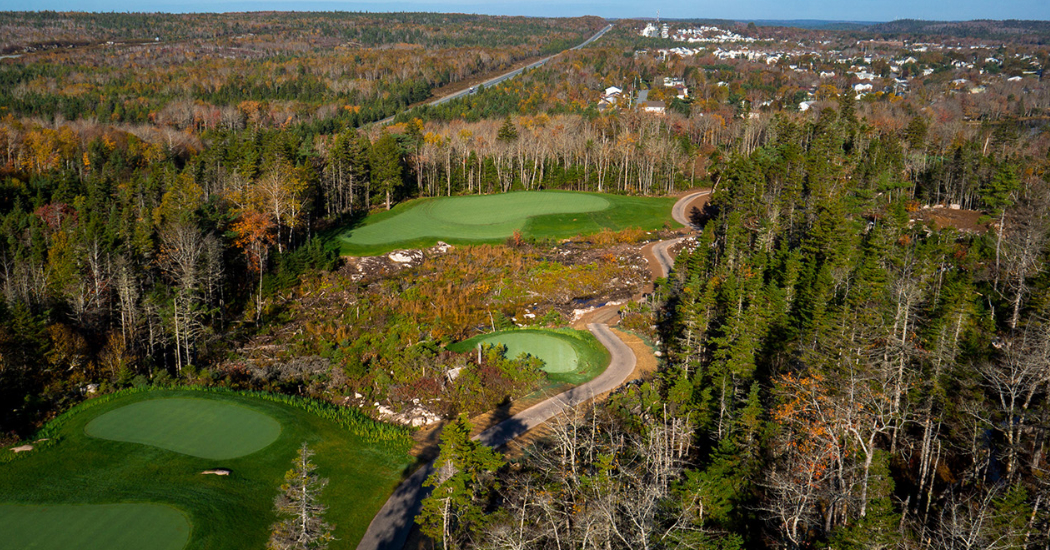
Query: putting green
pixel 556 354
pixel 141 526
pixel 479 218
pixel 204 428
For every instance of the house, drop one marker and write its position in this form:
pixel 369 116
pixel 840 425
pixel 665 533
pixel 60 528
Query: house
pixel 681 92
pixel 859 88
pixel 612 91
pixel 655 107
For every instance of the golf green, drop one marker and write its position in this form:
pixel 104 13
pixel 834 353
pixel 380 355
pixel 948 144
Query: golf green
pixel 557 354
pixel 493 218
pixel 204 428
pixel 139 526
pixel 484 217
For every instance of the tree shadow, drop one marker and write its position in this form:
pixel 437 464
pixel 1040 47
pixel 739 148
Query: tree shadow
pixel 698 218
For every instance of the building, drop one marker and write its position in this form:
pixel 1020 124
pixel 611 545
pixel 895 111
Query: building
pixel 655 107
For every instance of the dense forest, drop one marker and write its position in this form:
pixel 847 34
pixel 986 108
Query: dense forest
pixel 838 373
pixel 854 353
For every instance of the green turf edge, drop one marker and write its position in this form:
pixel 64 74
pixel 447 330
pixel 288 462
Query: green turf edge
pixel 646 213
pixel 262 429
pixel 84 541
pixel 353 420
pixel 47 476
pixel 592 356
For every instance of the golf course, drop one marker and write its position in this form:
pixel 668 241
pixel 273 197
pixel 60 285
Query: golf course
pixel 128 472
pixel 494 218
pixel 569 356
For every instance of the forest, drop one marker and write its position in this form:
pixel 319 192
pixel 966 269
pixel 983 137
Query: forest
pixel 854 353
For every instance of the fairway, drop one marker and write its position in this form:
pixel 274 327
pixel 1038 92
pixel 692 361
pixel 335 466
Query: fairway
pixel 197 427
pixel 494 218
pixel 139 526
pixel 128 490
pixel 557 354
pixel 476 217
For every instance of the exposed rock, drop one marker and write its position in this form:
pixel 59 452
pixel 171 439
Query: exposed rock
pixel 440 248
pixel 416 416
pixel 22 448
pixel 406 256
pixel 216 472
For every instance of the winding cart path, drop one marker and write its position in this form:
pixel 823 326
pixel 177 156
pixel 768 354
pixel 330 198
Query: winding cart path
pixel 390 528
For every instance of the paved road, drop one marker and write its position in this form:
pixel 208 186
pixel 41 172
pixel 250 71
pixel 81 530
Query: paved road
pixel 492 82
pixel 390 528
pixel 679 211
pixel 620 367
pixel 661 250
pixel 663 256
pixel 505 76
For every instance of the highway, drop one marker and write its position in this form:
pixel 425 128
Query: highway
pixel 505 76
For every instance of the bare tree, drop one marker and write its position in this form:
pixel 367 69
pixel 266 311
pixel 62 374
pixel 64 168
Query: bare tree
pixel 1016 380
pixel 182 252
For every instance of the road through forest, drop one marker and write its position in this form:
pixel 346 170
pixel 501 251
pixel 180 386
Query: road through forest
pixel 391 527
pixel 505 76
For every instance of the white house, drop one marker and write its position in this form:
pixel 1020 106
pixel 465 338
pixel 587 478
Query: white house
pixel 655 107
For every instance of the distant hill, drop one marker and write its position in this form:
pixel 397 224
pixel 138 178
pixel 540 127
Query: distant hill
pixel 1029 31
pixel 814 24
pixel 1038 31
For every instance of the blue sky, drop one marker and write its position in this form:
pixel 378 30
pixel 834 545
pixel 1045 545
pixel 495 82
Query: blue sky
pixel 855 10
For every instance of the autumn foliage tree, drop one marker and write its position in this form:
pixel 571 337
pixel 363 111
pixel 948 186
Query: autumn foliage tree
pixel 256 233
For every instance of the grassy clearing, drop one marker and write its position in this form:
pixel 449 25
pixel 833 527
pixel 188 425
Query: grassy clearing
pixel 203 428
pixel 226 512
pixel 143 526
pixel 557 348
pixel 494 218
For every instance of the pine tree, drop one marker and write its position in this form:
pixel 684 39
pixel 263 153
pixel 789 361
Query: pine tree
pixel 302 525
pixel 461 482
pixel 507 132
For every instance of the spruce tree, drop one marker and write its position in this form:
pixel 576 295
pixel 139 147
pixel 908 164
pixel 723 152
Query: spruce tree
pixel 302 522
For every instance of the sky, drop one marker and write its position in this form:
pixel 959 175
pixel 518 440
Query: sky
pixel 837 10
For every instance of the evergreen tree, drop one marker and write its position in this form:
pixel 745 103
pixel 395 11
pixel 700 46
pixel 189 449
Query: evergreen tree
pixel 461 482
pixel 507 132
pixel 302 525
pixel 386 165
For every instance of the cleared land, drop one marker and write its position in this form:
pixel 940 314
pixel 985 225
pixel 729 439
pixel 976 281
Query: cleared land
pixel 569 356
pixel 494 218
pixel 229 512
pixel 197 427
pixel 144 526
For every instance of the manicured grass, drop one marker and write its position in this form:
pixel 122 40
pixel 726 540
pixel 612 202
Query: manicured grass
pixel 226 512
pixel 570 356
pixel 142 526
pixel 494 218
pixel 203 428
pixel 557 354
